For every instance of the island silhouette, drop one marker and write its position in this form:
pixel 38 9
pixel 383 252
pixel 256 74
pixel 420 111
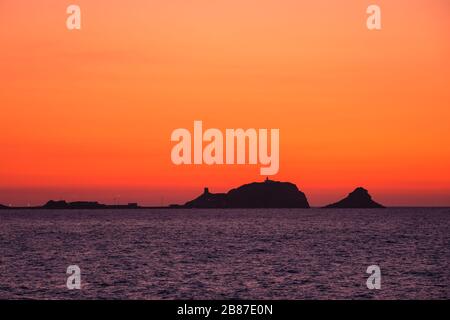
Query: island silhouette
pixel 358 198
pixel 267 194
pixel 61 204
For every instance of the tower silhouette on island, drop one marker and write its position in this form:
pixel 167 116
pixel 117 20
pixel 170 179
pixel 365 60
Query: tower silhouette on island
pixel 267 194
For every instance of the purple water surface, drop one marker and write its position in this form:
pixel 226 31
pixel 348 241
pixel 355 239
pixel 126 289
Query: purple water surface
pixel 225 254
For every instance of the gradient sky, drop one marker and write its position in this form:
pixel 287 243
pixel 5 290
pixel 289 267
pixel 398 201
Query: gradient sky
pixel 87 115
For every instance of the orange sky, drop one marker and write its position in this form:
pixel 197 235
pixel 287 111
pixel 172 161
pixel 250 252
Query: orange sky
pixel 88 114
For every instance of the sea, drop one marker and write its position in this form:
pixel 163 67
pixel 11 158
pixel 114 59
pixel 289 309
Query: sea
pixel 226 254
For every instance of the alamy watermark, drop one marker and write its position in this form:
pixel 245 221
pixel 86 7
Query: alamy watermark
pixel 374 20
pixel 374 280
pixel 229 148
pixel 73 21
pixel 74 280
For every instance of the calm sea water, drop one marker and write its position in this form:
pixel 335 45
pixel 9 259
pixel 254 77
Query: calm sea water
pixel 225 254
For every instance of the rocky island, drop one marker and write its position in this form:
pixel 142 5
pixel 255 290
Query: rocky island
pixel 267 194
pixel 359 198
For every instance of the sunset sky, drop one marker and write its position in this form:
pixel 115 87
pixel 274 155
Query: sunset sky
pixel 87 114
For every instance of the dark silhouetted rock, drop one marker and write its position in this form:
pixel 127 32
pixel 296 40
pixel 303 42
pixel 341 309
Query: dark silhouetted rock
pixel 3 207
pixel 61 204
pixel 359 198
pixel 267 194
pixel 52 204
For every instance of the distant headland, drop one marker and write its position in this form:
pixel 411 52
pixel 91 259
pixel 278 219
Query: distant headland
pixel 267 194
pixel 62 204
